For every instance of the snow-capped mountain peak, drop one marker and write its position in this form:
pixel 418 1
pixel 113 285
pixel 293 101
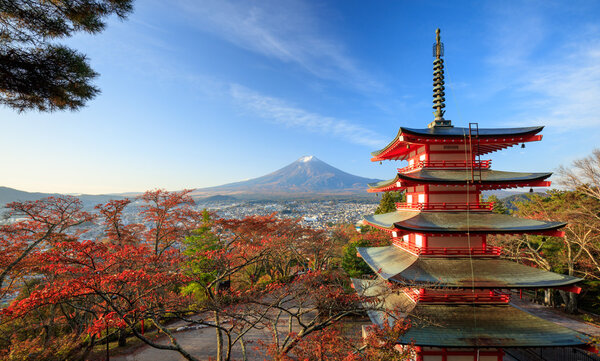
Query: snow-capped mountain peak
pixel 306 158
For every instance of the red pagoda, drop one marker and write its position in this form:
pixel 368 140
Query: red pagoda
pixel 453 284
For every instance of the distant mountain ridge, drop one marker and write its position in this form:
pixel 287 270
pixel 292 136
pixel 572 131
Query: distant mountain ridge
pixel 8 195
pixel 306 178
pixel 306 175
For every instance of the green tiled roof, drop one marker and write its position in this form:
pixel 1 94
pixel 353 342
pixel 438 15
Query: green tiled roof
pixel 459 222
pixel 395 264
pixel 461 176
pixel 383 183
pixel 468 325
pixel 458 176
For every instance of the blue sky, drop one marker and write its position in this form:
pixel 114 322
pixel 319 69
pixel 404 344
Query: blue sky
pixel 200 93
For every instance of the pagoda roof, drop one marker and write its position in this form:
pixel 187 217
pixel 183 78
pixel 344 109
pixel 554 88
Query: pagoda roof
pixel 459 222
pixel 490 179
pixel 478 326
pixel 490 139
pixel 395 264
pixel 461 132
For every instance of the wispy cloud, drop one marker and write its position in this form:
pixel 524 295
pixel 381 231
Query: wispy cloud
pixel 278 111
pixel 516 30
pixel 286 30
pixel 569 88
pixel 556 78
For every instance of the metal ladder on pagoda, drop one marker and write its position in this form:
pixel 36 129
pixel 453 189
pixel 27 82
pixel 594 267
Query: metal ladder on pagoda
pixel 474 158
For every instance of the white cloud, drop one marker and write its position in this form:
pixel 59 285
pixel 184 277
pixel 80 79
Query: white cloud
pixel 569 88
pixel 557 73
pixel 279 112
pixel 285 30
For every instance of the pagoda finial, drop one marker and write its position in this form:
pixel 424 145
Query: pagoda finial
pixel 438 84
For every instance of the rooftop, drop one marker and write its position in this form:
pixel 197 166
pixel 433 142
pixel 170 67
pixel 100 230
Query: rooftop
pixel 488 179
pixel 490 139
pixel 468 325
pixel 459 222
pixel 395 264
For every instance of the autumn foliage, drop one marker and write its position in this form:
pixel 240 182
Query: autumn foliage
pixel 172 262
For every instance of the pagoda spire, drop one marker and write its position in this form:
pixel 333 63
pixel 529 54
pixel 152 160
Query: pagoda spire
pixel 438 84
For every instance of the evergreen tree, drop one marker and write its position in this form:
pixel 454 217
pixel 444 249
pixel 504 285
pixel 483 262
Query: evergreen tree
pixel 388 202
pixel 499 206
pixel 36 73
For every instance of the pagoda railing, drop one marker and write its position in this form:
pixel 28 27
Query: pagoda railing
pixel 447 206
pixel 488 251
pixel 493 296
pixel 482 164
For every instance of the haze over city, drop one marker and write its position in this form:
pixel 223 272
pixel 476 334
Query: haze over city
pixel 202 94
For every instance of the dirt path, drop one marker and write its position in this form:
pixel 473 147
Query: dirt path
pixel 200 343
pixel 555 316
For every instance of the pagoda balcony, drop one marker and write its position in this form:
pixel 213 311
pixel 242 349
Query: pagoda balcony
pixel 491 297
pixel 446 206
pixel 478 164
pixel 487 251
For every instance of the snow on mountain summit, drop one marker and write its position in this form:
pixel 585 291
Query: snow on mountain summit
pixel 306 158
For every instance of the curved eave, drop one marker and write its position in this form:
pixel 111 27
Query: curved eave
pixel 385 185
pixel 489 180
pixel 491 139
pixel 460 222
pixel 395 264
pixel 483 132
pixel 460 177
pixel 464 325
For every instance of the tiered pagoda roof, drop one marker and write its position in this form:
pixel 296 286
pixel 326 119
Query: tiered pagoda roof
pixel 479 326
pixel 395 264
pixel 486 179
pixel 490 140
pixel 459 222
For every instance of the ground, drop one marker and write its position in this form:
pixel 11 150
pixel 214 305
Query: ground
pixel 201 342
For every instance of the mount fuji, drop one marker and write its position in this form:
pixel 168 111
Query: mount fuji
pixel 306 176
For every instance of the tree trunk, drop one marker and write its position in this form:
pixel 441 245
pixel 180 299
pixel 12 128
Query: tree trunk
pixel 243 344
pixel 219 337
pixel 88 349
pixel 122 337
pixel 548 297
pixel 570 299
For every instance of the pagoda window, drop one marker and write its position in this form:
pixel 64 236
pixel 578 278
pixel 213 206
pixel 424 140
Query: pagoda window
pixel 422 157
pixel 418 240
pixel 409 199
pixel 411 162
pixel 405 238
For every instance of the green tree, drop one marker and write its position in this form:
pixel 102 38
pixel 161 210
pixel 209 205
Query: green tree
pixel 351 262
pixel 499 206
pixel 388 202
pixel 369 237
pixel 36 73
pixel 574 254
